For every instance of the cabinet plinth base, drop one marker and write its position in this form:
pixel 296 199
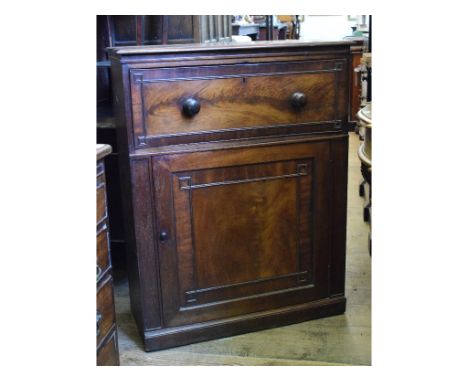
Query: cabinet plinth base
pixel 184 335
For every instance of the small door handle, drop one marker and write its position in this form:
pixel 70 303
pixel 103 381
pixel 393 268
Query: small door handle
pixel 163 236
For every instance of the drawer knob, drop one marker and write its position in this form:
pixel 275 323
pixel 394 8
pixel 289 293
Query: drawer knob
pixel 298 100
pixel 190 107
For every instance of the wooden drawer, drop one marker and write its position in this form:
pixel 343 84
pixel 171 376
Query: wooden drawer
pixel 105 315
pixel 102 252
pixel 236 101
pixel 107 353
pixel 101 210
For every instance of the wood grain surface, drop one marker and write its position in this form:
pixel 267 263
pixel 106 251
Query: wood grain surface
pixel 339 340
pixel 226 240
pixel 238 102
pixel 240 230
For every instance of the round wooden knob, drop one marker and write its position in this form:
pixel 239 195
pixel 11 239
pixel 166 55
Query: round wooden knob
pixel 298 100
pixel 190 107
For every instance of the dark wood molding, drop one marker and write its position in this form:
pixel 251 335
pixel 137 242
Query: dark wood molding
pixel 184 335
pixel 229 46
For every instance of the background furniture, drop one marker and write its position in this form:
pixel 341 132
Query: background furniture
pixel 278 32
pixel 365 133
pixel 234 175
pixel 106 331
pixel 293 26
pixel 251 30
pixel 365 156
pixel 356 96
pixel 269 28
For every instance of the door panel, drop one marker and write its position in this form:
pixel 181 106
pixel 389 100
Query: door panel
pixel 241 233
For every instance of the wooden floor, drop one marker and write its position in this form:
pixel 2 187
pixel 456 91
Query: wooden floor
pixel 339 340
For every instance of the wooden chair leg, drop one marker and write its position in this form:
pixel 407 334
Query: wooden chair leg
pixel 370 244
pixel 367 213
pixel 362 191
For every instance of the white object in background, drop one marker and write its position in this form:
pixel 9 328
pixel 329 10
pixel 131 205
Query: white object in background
pixel 326 27
pixel 241 38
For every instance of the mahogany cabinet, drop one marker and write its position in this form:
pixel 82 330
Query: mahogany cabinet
pixel 234 179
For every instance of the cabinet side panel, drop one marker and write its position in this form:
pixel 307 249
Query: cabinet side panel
pixel 143 211
pixel 342 93
pixel 121 107
pixel 339 168
pixel 122 121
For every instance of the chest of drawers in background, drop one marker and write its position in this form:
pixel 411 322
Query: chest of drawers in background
pixel 233 164
pixel 106 331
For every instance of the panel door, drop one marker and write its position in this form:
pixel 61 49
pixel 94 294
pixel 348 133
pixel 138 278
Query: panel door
pixel 242 230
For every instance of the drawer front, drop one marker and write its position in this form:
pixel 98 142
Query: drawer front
pixel 242 230
pixel 101 206
pixel 174 103
pixel 105 313
pixel 108 352
pixel 102 252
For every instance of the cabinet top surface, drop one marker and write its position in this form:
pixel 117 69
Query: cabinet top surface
pixel 102 150
pixel 223 46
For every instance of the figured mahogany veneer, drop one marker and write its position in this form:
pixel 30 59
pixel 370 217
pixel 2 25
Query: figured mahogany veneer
pixel 242 96
pixel 234 166
pixel 240 226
